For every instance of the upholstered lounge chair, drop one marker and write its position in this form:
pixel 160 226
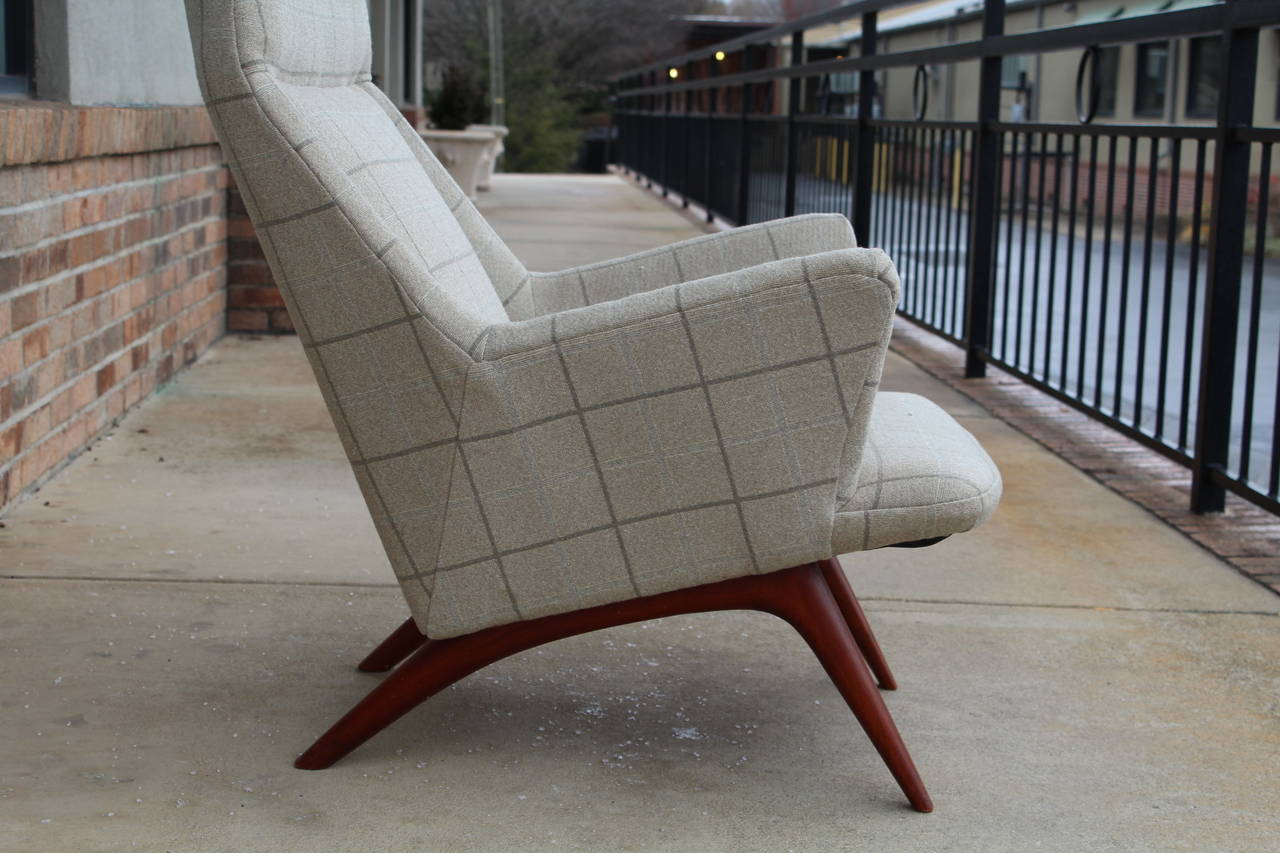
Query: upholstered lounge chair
pixel 688 429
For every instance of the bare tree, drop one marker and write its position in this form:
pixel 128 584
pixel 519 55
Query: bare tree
pixel 584 40
pixel 558 55
pixel 754 8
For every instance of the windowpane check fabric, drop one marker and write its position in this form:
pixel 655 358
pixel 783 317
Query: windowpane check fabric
pixel 536 443
pixel 923 476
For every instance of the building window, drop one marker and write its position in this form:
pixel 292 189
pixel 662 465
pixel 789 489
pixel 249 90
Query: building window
pixel 15 47
pixel 1203 70
pixel 1151 86
pixel 1013 72
pixel 1108 72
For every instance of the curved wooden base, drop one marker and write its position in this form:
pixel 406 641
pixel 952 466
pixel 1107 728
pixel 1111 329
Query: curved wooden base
pixel 402 642
pixel 814 598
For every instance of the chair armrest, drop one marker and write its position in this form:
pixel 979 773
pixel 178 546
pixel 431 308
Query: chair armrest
pixel 689 260
pixel 701 430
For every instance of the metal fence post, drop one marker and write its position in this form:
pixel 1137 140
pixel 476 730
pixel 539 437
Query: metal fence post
pixel 984 203
pixel 1228 218
pixel 744 142
pixel 666 138
pixel 688 99
pixel 611 132
pixel 713 105
pixel 615 153
pixel 651 155
pixel 652 113
pixel 793 98
pixel 865 164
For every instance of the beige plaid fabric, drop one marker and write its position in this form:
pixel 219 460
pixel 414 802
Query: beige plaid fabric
pixel 922 476
pixel 531 444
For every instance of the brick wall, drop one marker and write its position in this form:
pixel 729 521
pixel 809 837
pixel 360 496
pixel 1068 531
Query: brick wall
pixel 112 270
pixel 253 302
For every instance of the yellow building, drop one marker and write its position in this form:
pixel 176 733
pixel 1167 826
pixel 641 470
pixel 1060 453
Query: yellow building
pixel 1165 81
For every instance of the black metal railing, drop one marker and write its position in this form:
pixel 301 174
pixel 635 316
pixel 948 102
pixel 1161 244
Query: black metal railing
pixel 1131 271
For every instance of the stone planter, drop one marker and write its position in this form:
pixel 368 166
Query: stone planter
pixel 499 132
pixel 462 152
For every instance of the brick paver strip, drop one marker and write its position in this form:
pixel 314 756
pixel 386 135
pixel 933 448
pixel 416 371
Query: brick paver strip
pixel 1244 535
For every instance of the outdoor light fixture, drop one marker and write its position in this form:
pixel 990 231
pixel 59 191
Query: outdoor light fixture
pixel 719 56
pixel 673 73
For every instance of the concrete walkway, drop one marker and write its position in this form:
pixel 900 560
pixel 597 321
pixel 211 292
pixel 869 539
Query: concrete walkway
pixel 181 611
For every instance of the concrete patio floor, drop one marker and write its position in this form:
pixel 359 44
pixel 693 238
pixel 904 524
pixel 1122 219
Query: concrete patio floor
pixel 182 608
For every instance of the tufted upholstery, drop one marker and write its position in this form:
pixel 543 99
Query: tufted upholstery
pixel 531 444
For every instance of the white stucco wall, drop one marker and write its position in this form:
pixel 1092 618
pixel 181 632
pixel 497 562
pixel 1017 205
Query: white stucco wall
pixel 121 52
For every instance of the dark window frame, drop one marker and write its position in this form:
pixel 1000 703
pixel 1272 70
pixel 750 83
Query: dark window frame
pixel 1015 71
pixel 15 73
pixel 1108 89
pixel 1140 80
pixel 1195 69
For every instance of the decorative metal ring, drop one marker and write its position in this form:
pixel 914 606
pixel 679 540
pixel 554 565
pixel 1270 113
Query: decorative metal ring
pixel 920 92
pixel 1088 60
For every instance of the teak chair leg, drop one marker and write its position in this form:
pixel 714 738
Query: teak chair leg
pixel 858 624
pixel 813 612
pixel 800 595
pixel 401 643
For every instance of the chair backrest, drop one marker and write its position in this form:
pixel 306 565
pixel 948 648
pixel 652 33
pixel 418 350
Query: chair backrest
pixel 389 272
pixel 355 213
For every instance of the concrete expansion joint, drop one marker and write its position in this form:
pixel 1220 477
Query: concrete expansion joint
pixel 1101 608
pixel 948 602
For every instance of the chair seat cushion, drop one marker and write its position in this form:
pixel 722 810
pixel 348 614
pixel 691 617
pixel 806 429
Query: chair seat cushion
pixel 922 476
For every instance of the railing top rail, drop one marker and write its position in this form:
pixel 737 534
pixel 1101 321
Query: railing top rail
pixel 1161 25
pixel 1144 131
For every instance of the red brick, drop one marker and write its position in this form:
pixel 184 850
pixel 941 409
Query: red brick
pixel 62 406
pixel 35 345
pixel 16 481
pixel 246 321
pixel 35 264
pixel 35 426
pixel 10 273
pixel 80 250
pixel 29 467
pixel 10 441
pixel 10 357
pixel 83 392
pixel 134 391
pixel 113 405
pixel 254 297
pixel 26 310
pixel 106 378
